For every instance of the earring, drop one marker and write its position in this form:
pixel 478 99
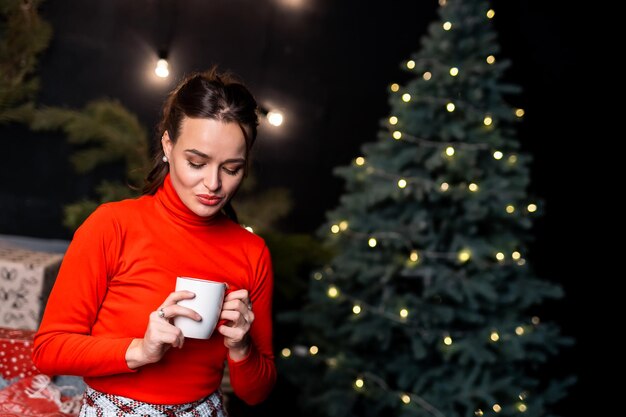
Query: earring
pixel 164 158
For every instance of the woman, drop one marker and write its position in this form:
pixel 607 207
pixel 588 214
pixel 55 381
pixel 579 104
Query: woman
pixel 109 315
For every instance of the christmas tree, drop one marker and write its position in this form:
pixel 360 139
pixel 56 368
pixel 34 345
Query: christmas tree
pixel 429 306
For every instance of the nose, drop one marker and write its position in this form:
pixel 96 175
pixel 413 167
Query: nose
pixel 212 181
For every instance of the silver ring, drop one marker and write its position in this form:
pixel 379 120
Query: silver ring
pixel 250 306
pixel 161 312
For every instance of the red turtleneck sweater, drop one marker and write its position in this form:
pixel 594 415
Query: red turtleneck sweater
pixel 120 266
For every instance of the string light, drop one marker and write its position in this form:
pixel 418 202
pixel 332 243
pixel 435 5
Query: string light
pixel 479 412
pixel 427 75
pixel 372 242
pixel 450 107
pixel 464 255
pixel 359 383
pixel 414 256
pixel 535 320
pixel 454 71
pixel 496 407
pixel 497 155
pixel 404 313
pixel 317 276
pixel 395 87
pixel 512 159
pixel 360 161
pixel 314 350
pixel 519 112
pixel 490 14
pixel 510 208
pixel 393 120
pixel 406 97
pixel 333 292
pixel 500 256
pixel 447 26
pixel 491 59
pixel 487 121
pixel 285 352
pixel 473 187
pixel 356 309
pixel 494 336
pixel 519 330
pixel 444 186
pixel 275 118
pixel 343 225
pixel 516 255
pixel 410 64
pixel 397 135
pixel 522 407
pixel 531 208
pixel 405 398
pixel 249 229
pixel 334 228
pixel 449 151
pixel 402 183
pixel 447 340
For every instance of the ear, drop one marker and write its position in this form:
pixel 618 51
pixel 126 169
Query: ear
pixel 167 144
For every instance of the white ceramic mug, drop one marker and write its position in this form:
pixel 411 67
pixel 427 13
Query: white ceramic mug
pixel 207 302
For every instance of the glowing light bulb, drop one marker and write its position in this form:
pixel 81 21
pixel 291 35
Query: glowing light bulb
pixel 393 120
pixel 414 256
pixel 249 229
pixel 510 208
pixel 404 313
pixel 405 398
pixel 512 159
pixel 360 161
pixel 343 225
pixel 410 64
pixel 395 87
pixel 490 14
pixel 479 412
pixel 519 112
pixel 444 186
pixel 427 75
pixel 401 183
pixel 494 336
pixel 317 276
pixel 535 320
pixel 449 151
pixel 314 350
pixel 487 121
pixel 359 383
pixel 464 255
pixel 356 309
pixel 447 340
pixel 497 408
pixel 519 330
pixel 521 407
pixel 162 68
pixel 275 118
pixel 334 228
pixel 397 135
pixel 473 187
pixel 447 26
pixel 286 352
pixel 491 59
pixel 450 107
pixel 531 208
pixel 406 97
pixel 497 155
pixel 372 242
pixel 500 256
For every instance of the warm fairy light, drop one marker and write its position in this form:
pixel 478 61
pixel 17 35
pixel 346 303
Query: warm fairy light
pixel 249 229
pixel 500 256
pixel 479 412
pixel 162 68
pixel 497 155
pixel 512 159
pixel 427 75
pixel 519 330
pixel 490 13
pixel 510 208
pixel 393 120
pixel 414 256
pixel 317 276
pixel 401 183
pixel 444 186
pixel 314 350
pixel 275 118
pixel 333 291
pixel 449 151
pixel 464 255
pixel 395 87
pixel 519 112
pixel 521 262
pixel 334 228
pixel 473 187
pixel 442 2
pixel 454 71
pixel 522 395
pixel 405 398
pixel 487 121
pixel 491 59
pixel 372 242
pixel 447 340
pixel 450 107
pixel 343 225
pixel 356 309
pixel 406 97
pixel 332 362
pixel 521 407
pixel 286 352
pixel 494 336
pixel 404 313
pixel 535 320
pixel 516 255
pixel 410 64
pixel 496 407
pixel 360 161
pixel 359 383
pixel 397 135
pixel 447 26
pixel 531 208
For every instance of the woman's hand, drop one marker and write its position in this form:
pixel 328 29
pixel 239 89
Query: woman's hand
pixel 237 311
pixel 161 334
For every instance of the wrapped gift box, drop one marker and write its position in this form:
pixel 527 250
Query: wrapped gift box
pixel 16 348
pixel 26 278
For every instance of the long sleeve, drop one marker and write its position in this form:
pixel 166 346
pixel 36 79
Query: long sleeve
pixel 254 377
pixel 63 343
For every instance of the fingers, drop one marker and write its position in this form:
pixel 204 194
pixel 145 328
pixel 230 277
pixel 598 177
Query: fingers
pixel 174 310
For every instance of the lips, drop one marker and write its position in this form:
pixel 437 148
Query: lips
pixel 208 200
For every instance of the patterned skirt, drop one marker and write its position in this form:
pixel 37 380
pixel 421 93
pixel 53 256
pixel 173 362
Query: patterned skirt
pixel 99 404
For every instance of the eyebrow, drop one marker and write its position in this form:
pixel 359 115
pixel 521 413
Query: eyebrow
pixel 205 156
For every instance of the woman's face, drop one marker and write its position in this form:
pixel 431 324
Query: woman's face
pixel 206 163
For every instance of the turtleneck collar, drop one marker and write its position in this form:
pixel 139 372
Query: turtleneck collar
pixel 180 213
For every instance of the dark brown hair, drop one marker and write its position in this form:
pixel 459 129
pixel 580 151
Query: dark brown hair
pixel 209 95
